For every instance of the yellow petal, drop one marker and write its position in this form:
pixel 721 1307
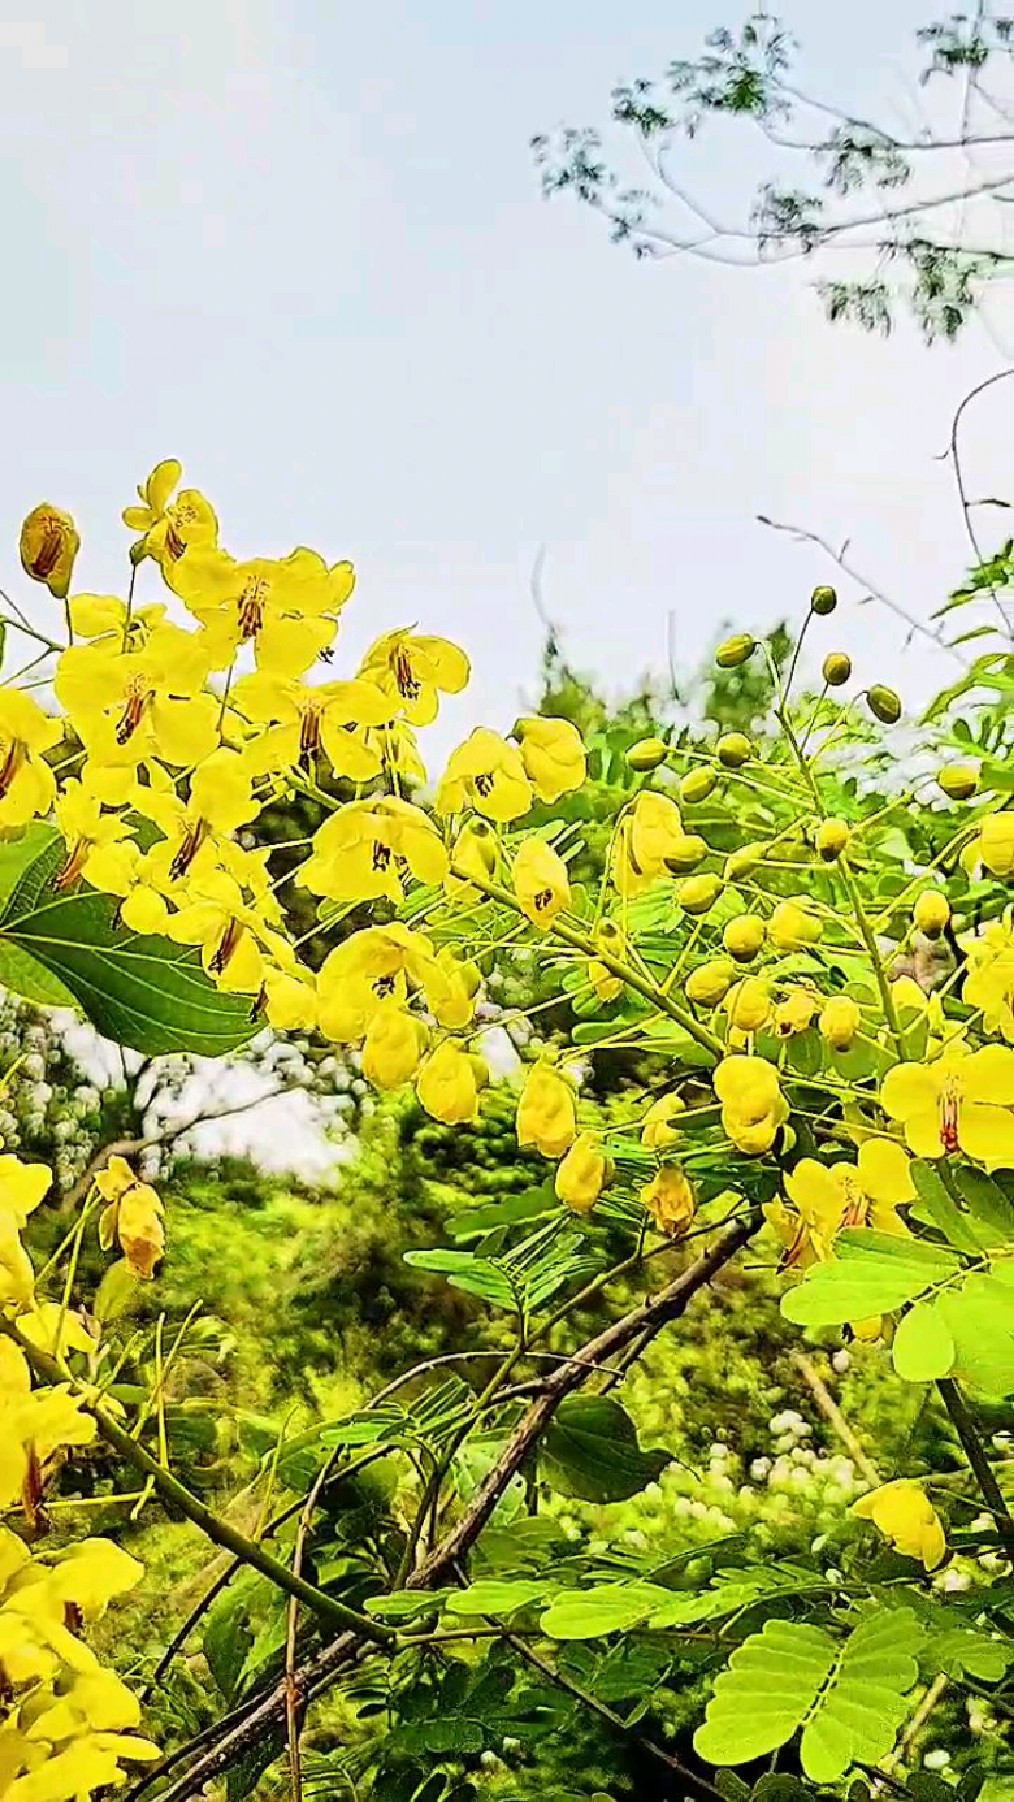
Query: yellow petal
pixel 986 1134
pixel 909 1089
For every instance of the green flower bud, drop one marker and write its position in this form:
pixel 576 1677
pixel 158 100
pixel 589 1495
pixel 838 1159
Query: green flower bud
pixel 959 781
pixel 647 754
pixel 823 600
pixel 734 749
pixel 837 668
pixel 698 785
pixel 735 651
pixel 884 704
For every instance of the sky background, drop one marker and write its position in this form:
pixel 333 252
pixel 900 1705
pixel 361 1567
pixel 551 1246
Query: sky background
pixel 300 245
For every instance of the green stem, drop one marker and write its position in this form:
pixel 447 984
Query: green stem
pixel 219 1531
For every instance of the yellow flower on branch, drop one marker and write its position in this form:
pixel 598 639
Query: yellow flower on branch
pixel 169 527
pixel 989 982
pixel 49 545
pixel 661 1122
pixel 547 1112
pixel 132 1217
pixel 295 720
pixel 129 706
pixel 669 1199
pixel 286 607
pixel 485 773
pixel 27 784
pixel 957 1103
pixel 393 1047
pixel 449 1082
pixel 540 881
pixel 582 1174
pixel 828 1198
pixel 647 836
pixel 97 616
pixel 753 1106
pixel 22 1187
pixel 553 754
pixel 37 1423
pixel 413 670
pixel 85 827
pixel 364 849
pixel 903 1513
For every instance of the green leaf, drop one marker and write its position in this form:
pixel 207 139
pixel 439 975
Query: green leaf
pixel 463 1270
pixel 962 1649
pixel 923 1344
pixel 65 951
pixel 498 1596
pixel 873 1273
pixel 940 1209
pixel 532 1204
pixel 991 1210
pixel 848 1697
pixel 593 1613
pixel 591 1451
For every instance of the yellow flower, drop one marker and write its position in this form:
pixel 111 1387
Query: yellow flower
pixel 141 882
pixel 22 1187
pixel 414 671
pixel 49 545
pixel 393 1047
pixel 660 1122
pixel 106 616
pixel 169 527
pixel 744 936
pixel 839 1022
pixel 221 800
pixel 709 984
pixel 133 1215
pixel 288 1001
pixel 795 1013
pixel 540 882
pixel 297 720
pixel 827 1198
pixel 485 773
pixel 956 1103
pixel 85 827
pixel 669 1199
pixel 793 928
pixel 27 784
pixel 286 607
pixel 36 1424
pixel 753 1106
pixel 236 943
pixel 606 984
pixel 649 834
pixel 475 857
pixel 448 1084
pixel 547 1115
pixel 146 702
pixel 989 982
pixel 582 1175
pixel 748 1005
pixel 553 754
pixel 17 1277
pixel 903 1513
pixel 996 843
pixel 360 852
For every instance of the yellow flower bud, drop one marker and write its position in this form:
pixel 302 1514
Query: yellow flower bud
pixel 836 668
pixel 795 1013
pixel 744 936
pixel 660 1129
pixel 583 1174
pixel 698 784
pixel 831 838
pixel 884 704
pixel 540 881
pixel 710 983
pixel 823 600
pixel 996 843
pixel 839 1022
pixel 744 861
pixel 753 1106
pixel 734 749
pixel 691 850
pixel 647 754
pixel 931 912
pixel 669 1199
pixel 448 1084
pixel 606 984
pixel 699 893
pixel 393 1047
pixel 49 545
pixel 748 1005
pixel 959 781
pixel 132 1215
pixel 792 928
pixel 735 651
pixel 547 1115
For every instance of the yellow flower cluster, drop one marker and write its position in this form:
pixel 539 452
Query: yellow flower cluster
pixel 69 1723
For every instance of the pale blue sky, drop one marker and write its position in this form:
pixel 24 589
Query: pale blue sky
pixel 299 244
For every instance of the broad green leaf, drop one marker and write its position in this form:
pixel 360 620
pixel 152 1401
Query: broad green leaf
pixel 532 1204
pixel 923 1346
pixel 873 1273
pixel 498 1596
pixel 144 993
pixel 408 1604
pixel 591 1451
pixel 476 1276
pixel 962 1649
pixel 991 1210
pixel 593 1613
pixel 856 1720
pixel 980 1315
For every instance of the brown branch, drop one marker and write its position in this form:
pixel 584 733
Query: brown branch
pixel 242 1729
